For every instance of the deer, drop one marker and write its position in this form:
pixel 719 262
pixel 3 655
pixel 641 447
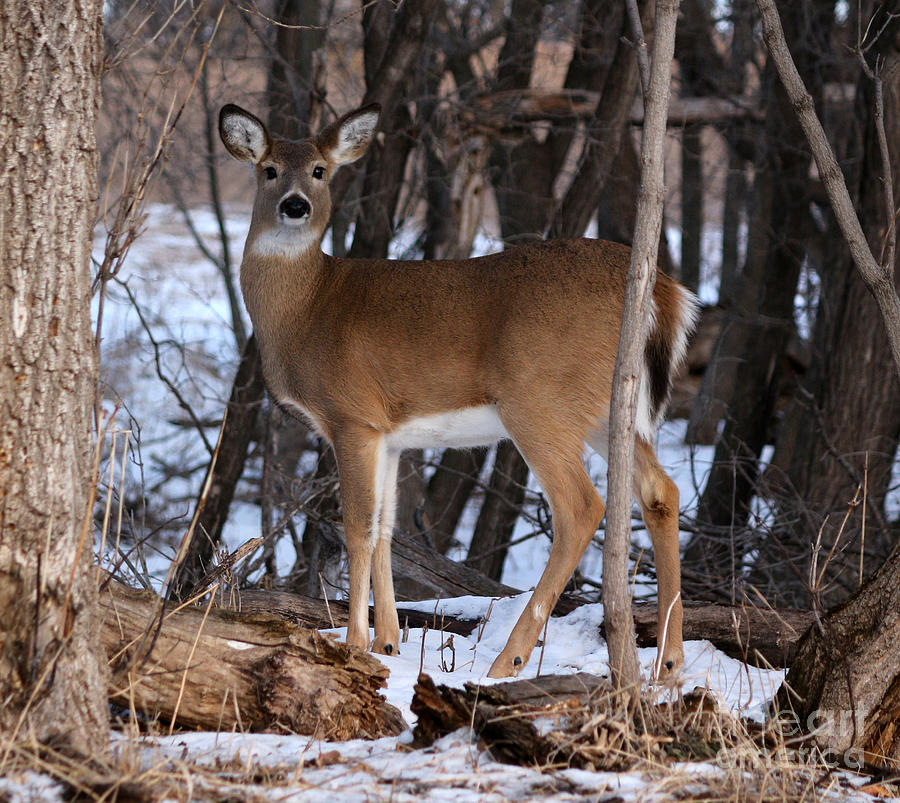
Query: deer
pixel 381 355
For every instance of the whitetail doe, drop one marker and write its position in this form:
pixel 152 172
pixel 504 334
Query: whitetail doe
pixel 381 356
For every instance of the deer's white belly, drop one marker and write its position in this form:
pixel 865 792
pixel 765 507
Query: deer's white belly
pixel 473 426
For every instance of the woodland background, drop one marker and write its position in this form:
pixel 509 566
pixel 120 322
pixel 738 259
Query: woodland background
pixel 504 123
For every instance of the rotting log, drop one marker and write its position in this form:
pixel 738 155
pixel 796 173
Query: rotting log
pixel 575 721
pixel 502 715
pixel 216 669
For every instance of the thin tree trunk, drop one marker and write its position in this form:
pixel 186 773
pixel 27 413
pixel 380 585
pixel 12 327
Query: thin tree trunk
pixel 291 91
pixel 52 675
pixel 711 401
pixel 499 511
pixel 448 492
pixel 239 427
pixel 691 205
pixel 623 660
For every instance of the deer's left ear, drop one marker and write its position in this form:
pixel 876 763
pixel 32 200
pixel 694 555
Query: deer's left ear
pixel 348 138
pixel 244 134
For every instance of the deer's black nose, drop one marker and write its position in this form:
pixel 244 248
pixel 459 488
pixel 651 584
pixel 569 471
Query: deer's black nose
pixel 295 207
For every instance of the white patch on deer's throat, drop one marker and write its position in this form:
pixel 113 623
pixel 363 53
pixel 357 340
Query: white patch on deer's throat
pixel 466 428
pixel 287 242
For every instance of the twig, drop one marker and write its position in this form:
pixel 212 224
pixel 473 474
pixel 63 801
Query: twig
pixel 325 597
pixel 190 657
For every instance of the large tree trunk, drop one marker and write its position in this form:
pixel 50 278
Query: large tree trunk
pixel 52 676
pixel 754 337
pixel 842 429
pixel 845 680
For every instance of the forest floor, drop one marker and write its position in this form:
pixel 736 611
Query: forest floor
pixel 285 767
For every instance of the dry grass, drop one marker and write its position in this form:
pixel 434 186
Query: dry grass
pixel 686 750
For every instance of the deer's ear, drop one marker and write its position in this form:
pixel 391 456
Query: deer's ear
pixel 244 134
pixel 348 138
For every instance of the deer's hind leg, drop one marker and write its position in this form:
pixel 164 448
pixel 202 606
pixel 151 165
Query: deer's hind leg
pixel 657 496
pixel 556 460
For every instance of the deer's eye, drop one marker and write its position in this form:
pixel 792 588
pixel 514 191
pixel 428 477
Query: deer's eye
pixel 271 173
pixel 319 172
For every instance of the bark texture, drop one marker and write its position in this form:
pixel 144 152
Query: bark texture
pixel 217 670
pixel 845 680
pixel 51 682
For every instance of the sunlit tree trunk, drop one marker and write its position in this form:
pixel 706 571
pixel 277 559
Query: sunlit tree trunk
pixel 52 680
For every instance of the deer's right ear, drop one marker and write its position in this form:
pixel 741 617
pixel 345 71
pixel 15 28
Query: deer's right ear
pixel 346 139
pixel 244 135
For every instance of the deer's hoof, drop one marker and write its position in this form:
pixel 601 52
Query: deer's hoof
pixel 506 666
pixel 386 646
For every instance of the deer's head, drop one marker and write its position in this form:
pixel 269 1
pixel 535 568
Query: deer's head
pixel 293 199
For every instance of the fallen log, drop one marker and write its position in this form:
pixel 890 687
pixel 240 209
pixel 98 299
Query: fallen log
pixel 756 636
pixel 575 721
pixel 503 715
pixel 316 613
pixel 215 669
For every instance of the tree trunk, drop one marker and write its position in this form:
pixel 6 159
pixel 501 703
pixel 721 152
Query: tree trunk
pixel 52 677
pixel 711 402
pixel 499 511
pixel 845 681
pixel 754 337
pixel 691 205
pixel 842 429
pixel 290 91
pixel 641 277
pixel 211 512
pixel 449 490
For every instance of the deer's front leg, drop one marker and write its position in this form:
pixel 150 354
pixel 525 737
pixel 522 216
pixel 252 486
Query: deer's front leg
pixel 387 627
pixel 357 451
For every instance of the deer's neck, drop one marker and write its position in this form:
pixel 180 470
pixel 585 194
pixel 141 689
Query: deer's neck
pixel 279 279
